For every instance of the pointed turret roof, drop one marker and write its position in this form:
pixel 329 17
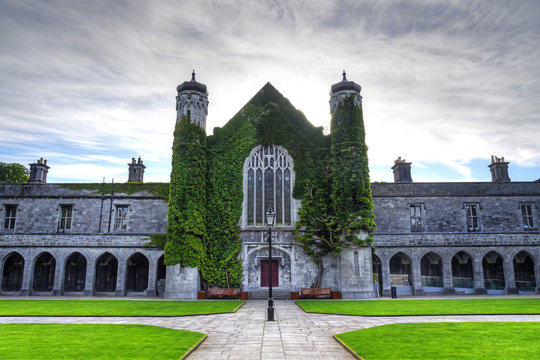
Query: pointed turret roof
pixel 345 85
pixel 191 85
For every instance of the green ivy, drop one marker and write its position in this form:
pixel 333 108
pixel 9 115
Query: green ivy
pixel 206 193
pixel 186 227
pixel 351 192
pixel 339 207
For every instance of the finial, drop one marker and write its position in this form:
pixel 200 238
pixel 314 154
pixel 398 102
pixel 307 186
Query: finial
pixel 193 75
pixel 344 75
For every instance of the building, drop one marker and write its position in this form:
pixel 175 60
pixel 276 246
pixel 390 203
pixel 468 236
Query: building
pixel 91 239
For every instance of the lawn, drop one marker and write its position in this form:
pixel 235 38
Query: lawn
pixel 114 307
pixel 446 341
pixel 423 307
pixel 59 341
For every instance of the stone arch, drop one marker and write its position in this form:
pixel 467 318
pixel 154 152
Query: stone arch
pixel 493 267
pixel 401 272
pixel 462 271
pixel 377 270
pixel 137 273
pixel 44 268
pixel 524 272
pixel 75 272
pixel 13 272
pixel 268 181
pixel 431 271
pixel 106 273
pixel 254 266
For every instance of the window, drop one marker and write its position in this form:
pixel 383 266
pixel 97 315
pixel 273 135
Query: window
pixel 66 212
pixel 416 217
pixel 526 214
pixel 121 217
pixel 268 181
pixel 471 211
pixel 11 214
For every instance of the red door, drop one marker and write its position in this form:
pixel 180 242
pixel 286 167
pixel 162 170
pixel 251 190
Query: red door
pixel 265 275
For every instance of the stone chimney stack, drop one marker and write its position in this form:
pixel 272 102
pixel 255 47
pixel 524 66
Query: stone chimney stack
pixel 136 170
pixel 38 172
pixel 402 171
pixel 499 169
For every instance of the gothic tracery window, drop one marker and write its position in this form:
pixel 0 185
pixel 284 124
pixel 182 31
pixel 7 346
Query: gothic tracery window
pixel 268 181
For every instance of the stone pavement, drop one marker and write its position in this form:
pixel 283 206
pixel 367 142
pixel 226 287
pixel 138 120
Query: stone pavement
pixel 245 335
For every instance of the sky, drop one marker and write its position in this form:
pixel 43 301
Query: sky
pixel 88 85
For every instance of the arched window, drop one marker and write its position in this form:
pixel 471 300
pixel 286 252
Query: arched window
pixel 268 181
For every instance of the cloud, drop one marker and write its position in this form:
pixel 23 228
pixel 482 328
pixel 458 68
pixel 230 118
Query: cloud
pixel 443 82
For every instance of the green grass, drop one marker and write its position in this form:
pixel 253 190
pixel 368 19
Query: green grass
pixel 59 341
pixel 423 307
pixel 114 307
pixel 446 341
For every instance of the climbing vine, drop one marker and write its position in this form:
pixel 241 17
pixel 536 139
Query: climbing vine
pixel 206 191
pixel 186 227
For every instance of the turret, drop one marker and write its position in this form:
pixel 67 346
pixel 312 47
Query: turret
pixel 38 172
pixel 499 169
pixel 136 170
pixel 192 101
pixel 343 89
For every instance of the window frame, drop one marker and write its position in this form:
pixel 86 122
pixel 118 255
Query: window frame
pixel 416 219
pixel 263 163
pixel 68 219
pixel 121 217
pixel 10 219
pixel 470 218
pixel 527 225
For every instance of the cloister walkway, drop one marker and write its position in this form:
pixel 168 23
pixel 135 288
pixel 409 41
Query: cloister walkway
pixel 294 335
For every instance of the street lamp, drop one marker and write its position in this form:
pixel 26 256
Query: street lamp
pixel 270 221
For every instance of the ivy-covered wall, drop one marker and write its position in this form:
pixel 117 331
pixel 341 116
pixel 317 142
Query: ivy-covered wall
pixel 205 203
pixel 267 119
pixel 186 227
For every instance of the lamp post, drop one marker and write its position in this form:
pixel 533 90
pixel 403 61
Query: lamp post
pixel 270 221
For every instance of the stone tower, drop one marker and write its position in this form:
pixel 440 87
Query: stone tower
pixel 192 101
pixel 350 187
pixel 38 172
pixel 341 90
pixel 136 170
pixel 499 169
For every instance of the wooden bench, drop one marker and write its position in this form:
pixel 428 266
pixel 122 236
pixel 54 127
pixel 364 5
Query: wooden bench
pixel 316 292
pixel 221 293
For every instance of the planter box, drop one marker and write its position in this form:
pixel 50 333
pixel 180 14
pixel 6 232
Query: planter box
pixel 202 295
pixel 244 295
pixel 336 295
pixel 295 295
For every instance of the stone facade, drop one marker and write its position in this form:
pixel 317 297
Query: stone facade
pixel 430 238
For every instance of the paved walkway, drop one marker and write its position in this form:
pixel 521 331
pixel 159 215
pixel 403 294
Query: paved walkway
pixel 294 335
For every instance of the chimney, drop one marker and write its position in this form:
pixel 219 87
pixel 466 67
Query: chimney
pixel 499 169
pixel 38 172
pixel 402 171
pixel 136 171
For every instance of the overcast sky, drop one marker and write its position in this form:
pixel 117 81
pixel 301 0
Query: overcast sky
pixel 90 84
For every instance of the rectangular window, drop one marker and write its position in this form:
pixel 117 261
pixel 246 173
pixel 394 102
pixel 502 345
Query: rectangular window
pixel 65 217
pixel 526 214
pixel 11 214
pixel 121 217
pixel 471 211
pixel 416 217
